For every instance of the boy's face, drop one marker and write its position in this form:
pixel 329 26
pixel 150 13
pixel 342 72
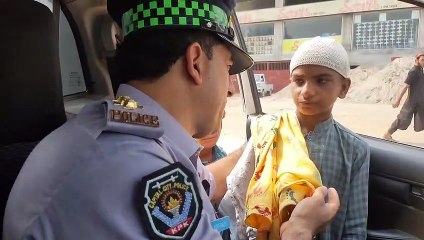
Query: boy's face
pixel 316 88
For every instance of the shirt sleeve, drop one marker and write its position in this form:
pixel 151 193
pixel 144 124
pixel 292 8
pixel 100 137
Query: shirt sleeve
pixel 206 176
pixel 233 202
pixel 357 211
pixel 411 77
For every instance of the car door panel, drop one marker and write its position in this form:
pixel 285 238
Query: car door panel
pixel 396 188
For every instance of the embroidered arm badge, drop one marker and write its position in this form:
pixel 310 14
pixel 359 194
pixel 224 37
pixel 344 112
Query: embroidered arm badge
pixel 169 203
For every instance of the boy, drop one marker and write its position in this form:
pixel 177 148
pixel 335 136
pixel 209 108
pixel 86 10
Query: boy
pixel 319 75
pixel 318 71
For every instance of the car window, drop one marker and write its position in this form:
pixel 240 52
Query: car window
pixel 381 39
pixel 259 38
pixel 73 81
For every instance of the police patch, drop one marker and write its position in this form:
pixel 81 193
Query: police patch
pixel 169 203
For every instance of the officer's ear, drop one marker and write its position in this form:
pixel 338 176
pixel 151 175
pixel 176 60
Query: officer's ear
pixel 195 59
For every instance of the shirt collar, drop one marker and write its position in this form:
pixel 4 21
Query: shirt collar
pixel 320 127
pixel 324 126
pixel 172 128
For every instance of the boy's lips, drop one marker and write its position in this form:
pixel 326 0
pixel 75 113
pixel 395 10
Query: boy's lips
pixel 306 102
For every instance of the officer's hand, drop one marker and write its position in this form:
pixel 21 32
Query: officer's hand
pixel 311 215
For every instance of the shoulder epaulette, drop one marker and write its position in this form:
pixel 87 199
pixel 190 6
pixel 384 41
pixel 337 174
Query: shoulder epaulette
pixel 125 115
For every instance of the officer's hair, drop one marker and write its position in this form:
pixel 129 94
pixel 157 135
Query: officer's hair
pixel 150 54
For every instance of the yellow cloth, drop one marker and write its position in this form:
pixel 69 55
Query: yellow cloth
pixel 283 176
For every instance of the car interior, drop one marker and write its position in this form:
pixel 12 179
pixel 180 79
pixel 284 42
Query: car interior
pixel 39 92
pixel 31 85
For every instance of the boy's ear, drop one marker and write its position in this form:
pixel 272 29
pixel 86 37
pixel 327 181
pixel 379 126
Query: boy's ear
pixel 195 62
pixel 345 87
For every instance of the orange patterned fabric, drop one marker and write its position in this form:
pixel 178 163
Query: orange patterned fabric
pixel 284 174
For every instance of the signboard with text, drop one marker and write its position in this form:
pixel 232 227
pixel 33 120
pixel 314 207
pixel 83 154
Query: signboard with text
pixel 319 9
pixel 291 45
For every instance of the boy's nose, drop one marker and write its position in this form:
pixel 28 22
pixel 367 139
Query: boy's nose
pixel 308 91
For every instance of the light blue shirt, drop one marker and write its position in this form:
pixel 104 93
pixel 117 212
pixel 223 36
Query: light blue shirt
pixel 82 181
pixel 343 159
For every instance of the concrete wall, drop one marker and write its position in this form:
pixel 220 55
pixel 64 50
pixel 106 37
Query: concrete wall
pixel 279 78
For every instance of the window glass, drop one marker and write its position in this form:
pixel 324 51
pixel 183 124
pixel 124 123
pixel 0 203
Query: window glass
pixel 73 81
pixel 259 38
pixel 399 15
pixel 367 108
pixel 387 40
pixel 299 30
pixel 297 2
pixel 386 30
pixel 311 27
pixel 369 17
pixel 233 133
pixel 246 5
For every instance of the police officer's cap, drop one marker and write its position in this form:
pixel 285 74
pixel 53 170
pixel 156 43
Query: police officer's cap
pixel 210 15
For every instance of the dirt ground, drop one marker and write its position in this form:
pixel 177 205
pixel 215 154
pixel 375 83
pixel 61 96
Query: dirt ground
pixel 369 119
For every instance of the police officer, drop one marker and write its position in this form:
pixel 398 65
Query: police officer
pixel 129 168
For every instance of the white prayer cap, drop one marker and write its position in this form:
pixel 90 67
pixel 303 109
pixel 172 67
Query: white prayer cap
pixel 322 51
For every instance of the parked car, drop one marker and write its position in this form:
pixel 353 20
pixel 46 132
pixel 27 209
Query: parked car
pixel 264 89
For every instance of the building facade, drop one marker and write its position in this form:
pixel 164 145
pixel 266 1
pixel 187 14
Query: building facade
pixel 373 32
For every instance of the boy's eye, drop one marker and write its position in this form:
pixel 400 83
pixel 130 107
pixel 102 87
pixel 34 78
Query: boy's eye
pixel 299 82
pixel 323 80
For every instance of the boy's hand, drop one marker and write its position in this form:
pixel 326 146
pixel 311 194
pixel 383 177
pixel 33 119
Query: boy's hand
pixel 311 215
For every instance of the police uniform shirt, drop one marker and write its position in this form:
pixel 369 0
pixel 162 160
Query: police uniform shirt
pixel 114 173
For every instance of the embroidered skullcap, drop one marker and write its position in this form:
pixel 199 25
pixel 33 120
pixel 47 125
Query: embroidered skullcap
pixel 322 51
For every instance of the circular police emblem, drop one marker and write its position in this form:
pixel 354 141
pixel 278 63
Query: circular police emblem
pixel 171 205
